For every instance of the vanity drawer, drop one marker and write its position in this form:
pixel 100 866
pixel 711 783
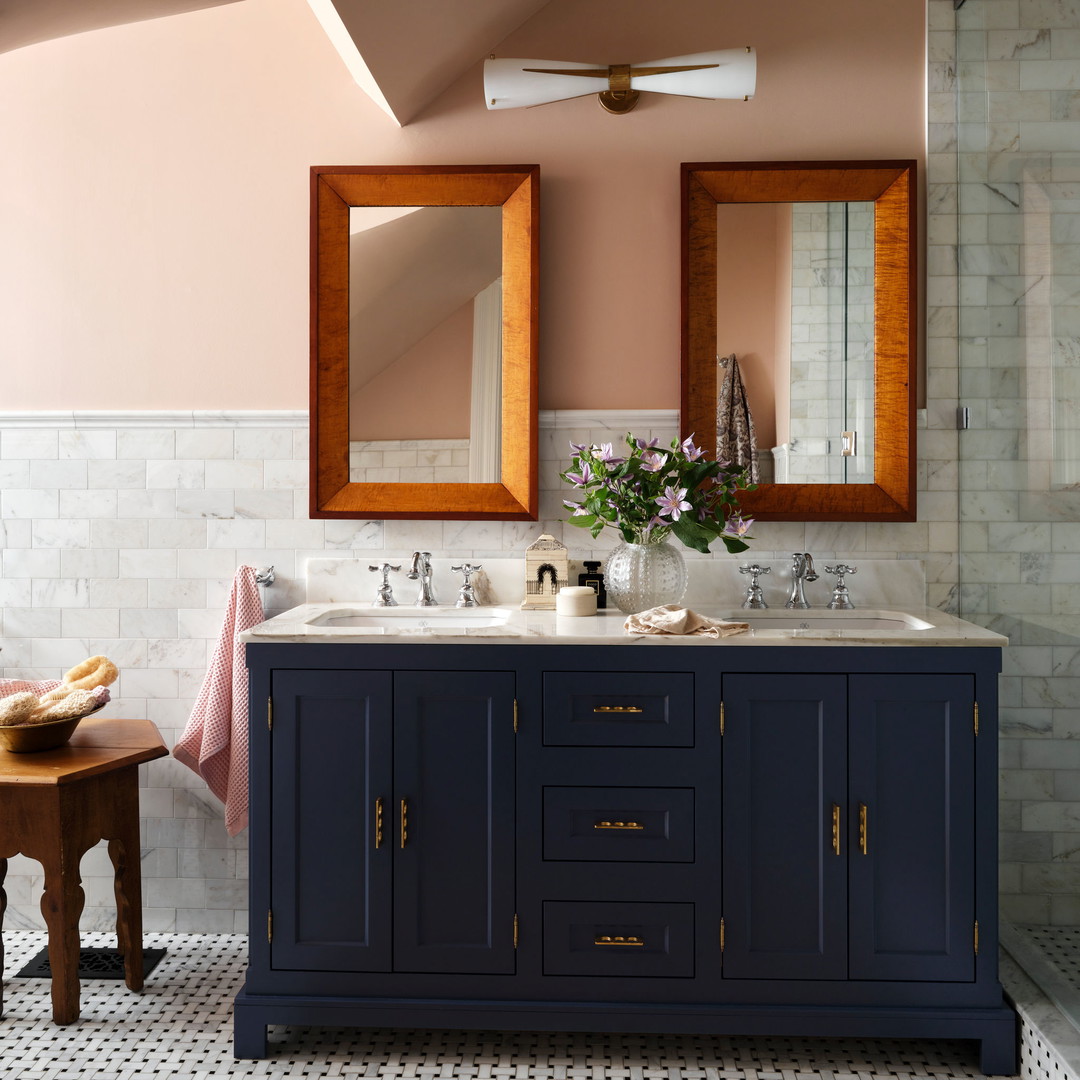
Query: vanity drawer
pixel 616 708
pixel 619 824
pixel 583 938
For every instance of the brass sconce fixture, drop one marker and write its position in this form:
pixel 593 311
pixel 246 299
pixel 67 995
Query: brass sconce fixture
pixel 722 73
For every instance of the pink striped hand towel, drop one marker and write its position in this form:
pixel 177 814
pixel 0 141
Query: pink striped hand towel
pixel 215 741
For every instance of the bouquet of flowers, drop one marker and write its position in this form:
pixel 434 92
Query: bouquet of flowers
pixel 649 492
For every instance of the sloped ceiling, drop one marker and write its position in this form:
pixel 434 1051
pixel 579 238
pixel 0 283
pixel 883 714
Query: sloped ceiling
pixel 403 53
pixel 26 22
pixel 414 49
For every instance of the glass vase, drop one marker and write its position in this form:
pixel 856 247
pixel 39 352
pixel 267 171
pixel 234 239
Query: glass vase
pixel 643 576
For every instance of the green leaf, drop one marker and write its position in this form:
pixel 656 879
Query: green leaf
pixel 692 534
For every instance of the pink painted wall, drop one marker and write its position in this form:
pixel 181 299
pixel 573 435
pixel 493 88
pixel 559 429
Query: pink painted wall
pixel 154 178
pixel 750 308
pixel 424 394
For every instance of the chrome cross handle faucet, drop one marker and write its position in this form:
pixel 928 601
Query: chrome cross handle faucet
pixel 841 598
pixel 384 597
pixel 421 571
pixel 466 594
pixel 754 597
pixel 802 570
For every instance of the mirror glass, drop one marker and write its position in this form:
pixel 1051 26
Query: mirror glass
pixel 425 343
pixel 798 333
pixel 424 334
pixel 795 306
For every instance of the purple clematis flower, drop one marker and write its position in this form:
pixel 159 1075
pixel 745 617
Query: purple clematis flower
pixel 690 450
pixel 608 456
pixel 578 448
pixel 651 461
pixel 582 478
pixel 737 526
pixel 672 503
pixel 643 445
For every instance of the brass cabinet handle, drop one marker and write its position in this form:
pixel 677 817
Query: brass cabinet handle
pixel 836 828
pixel 607 939
pixel 378 822
pixel 404 821
pixel 864 829
pixel 618 825
pixel 617 709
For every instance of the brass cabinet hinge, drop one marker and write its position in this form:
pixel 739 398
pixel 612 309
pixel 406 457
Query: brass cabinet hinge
pixel 515 716
pixel 721 719
pixel 269 927
pixel 721 933
pixel 976 718
pixel 976 937
pixel 269 714
pixel 515 930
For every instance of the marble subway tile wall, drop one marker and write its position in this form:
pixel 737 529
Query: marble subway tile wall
pixel 1004 325
pixel 120 535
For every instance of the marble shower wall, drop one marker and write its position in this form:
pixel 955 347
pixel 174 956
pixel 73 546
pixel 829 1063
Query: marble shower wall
pixel 121 535
pixel 1004 326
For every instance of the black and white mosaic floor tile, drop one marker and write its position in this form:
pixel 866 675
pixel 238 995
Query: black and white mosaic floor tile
pixel 180 1028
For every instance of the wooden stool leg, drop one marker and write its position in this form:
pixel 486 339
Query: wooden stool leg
pixel 125 852
pixel 3 906
pixel 62 904
pixel 125 859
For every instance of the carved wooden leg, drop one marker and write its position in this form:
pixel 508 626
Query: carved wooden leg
pixel 125 852
pixel 3 906
pixel 61 905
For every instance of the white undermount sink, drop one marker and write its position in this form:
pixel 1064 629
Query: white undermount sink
pixel 823 619
pixel 412 618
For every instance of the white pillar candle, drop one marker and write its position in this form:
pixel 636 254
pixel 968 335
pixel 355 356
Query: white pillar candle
pixel 576 600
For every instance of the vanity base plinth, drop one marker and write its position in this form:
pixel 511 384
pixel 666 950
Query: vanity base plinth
pixel 994 1028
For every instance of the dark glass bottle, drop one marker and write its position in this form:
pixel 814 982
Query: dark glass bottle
pixel 595 580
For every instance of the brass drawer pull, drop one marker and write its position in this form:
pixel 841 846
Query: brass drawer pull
pixel 404 821
pixel 618 709
pixel 607 939
pixel 618 825
pixel 378 822
pixel 836 828
pixel 864 829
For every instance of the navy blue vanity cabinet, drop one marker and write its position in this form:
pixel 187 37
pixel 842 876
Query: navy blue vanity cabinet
pixel 721 838
pixel 386 836
pixel 849 827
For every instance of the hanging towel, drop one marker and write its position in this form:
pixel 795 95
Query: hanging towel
pixel 215 741
pixel 736 440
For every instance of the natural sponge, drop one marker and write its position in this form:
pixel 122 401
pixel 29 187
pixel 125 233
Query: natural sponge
pixel 16 708
pixel 95 671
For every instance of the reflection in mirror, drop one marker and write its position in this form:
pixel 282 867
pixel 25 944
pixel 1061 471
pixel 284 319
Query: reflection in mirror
pixel 424 334
pixel 795 306
pixel 425 343
pixel 799 316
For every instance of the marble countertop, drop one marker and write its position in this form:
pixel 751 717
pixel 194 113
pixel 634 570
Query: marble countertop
pixel 606 628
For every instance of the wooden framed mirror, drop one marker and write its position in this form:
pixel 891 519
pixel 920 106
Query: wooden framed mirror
pixel 424 303
pixel 883 195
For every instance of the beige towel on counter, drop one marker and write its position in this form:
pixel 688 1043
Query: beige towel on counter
pixel 672 619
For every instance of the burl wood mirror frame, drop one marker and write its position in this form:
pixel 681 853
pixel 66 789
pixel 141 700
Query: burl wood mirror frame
pixel 890 185
pixel 334 190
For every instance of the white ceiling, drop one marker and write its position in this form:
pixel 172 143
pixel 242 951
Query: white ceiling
pixel 409 51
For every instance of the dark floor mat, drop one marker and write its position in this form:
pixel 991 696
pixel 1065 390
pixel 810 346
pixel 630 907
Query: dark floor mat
pixel 93 964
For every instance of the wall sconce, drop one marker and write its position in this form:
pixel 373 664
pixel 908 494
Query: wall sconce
pixel 722 73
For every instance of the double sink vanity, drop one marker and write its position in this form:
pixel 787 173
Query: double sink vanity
pixel 490 818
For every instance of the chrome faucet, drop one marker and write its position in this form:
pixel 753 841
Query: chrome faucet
pixel 421 571
pixel 841 598
pixel 385 594
pixel 755 598
pixel 467 593
pixel 802 570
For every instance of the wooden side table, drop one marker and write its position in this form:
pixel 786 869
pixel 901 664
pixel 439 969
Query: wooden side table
pixel 54 806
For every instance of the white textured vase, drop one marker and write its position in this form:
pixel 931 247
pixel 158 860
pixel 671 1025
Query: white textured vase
pixel 643 576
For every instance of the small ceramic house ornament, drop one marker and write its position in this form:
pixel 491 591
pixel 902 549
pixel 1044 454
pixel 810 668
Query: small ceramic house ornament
pixel 547 570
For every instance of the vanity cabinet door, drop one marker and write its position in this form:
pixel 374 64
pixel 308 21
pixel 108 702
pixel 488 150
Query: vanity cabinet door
pixel 784 883
pixel 912 861
pixel 454 791
pixel 330 871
